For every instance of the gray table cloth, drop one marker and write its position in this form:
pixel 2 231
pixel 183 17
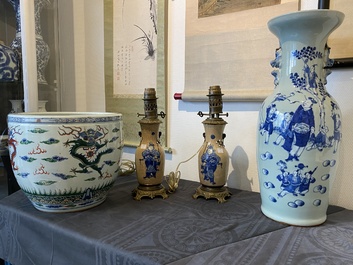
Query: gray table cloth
pixel 177 230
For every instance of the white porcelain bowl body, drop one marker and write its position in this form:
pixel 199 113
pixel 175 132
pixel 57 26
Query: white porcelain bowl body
pixel 65 161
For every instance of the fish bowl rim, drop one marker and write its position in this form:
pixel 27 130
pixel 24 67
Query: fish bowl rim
pixel 63 117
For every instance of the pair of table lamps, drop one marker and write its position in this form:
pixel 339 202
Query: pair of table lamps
pixel 213 158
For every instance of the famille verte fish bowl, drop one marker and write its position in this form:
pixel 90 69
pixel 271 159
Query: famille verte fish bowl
pixel 65 161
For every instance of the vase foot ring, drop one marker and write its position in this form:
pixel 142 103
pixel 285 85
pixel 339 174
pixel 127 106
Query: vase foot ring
pixel 295 223
pixel 219 193
pixel 149 191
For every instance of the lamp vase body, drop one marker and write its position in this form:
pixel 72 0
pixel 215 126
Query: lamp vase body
pixel 213 158
pixel 299 127
pixel 149 156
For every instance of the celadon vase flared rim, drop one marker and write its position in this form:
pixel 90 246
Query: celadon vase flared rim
pixel 290 17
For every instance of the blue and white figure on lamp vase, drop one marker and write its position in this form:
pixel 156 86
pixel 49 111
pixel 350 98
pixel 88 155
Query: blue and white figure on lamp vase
pixel 42 48
pixel 300 123
pixel 9 64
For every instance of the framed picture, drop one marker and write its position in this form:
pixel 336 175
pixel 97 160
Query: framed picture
pixel 134 60
pixel 228 44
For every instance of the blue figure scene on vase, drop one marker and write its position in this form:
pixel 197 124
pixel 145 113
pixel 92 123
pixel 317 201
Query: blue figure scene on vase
pixel 209 162
pixel 296 182
pixel 152 159
pixel 300 128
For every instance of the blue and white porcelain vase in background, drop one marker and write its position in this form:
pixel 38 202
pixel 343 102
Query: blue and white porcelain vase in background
pixel 9 64
pixel 300 123
pixel 42 48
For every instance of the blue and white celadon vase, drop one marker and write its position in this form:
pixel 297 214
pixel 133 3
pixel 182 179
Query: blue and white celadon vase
pixel 299 123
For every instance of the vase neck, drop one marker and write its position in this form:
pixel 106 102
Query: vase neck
pixel 38 6
pixel 303 53
pixel 307 27
pixel 214 131
pixel 150 131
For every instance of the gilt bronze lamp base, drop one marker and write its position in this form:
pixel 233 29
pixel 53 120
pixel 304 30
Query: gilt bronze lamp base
pixel 219 193
pixel 149 191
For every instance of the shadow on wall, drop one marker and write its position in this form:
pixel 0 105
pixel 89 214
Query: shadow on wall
pixel 238 178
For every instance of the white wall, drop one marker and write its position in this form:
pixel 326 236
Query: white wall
pixel 185 127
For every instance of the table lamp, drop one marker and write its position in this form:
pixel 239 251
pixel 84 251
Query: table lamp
pixel 149 155
pixel 213 158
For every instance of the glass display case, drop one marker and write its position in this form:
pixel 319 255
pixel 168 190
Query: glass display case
pixel 29 79
pixel 47 54
pixel 72 77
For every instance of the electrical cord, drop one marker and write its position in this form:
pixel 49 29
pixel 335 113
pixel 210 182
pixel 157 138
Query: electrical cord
pixel 173 177
pixel 127 167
